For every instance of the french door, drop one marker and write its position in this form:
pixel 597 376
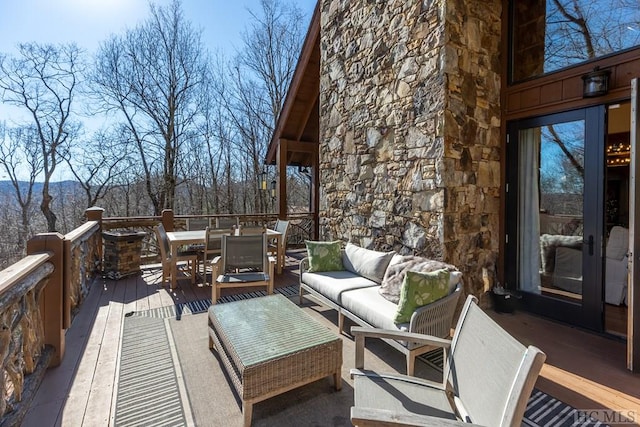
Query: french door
pixel 554 218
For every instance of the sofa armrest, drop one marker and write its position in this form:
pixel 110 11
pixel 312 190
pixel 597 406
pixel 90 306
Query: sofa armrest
pixel 436 318
pixel 304 266
pixel 360 333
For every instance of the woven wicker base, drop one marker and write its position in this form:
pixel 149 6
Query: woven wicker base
pixel 305 357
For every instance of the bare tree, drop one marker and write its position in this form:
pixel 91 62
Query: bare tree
pixel 152 76
pixel 43 79
pixel 578 30
pixel 97 162
pixel 22 162
pixel 253 94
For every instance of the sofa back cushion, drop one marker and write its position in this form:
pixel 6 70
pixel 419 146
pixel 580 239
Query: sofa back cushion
pixel 400 264
pixel 324 256
pixel 365 262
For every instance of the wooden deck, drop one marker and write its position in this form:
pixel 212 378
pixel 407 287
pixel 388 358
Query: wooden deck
pixel 585 370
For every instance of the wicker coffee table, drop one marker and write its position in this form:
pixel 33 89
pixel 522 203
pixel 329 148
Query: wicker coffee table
pixel 269 346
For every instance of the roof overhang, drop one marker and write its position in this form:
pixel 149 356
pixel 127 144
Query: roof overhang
pixel 299 121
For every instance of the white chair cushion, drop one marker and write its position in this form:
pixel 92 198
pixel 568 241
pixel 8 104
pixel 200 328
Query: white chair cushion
pixel 618 243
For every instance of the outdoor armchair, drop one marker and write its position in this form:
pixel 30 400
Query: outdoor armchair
pixel 243 263
pixel 488 377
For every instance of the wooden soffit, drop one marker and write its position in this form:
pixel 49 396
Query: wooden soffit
pixel 299 120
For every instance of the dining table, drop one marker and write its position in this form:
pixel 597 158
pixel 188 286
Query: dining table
pixel 181 238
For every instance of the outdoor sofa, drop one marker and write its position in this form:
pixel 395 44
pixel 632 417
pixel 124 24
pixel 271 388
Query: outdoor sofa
pixel 369 287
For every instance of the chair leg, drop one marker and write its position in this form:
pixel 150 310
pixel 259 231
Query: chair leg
pixel 411 361
pixel 214 292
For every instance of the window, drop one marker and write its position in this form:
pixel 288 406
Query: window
pixel 548 35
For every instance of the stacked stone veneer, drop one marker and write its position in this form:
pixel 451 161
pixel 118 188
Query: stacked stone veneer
pixel 122 252
pixel 410 125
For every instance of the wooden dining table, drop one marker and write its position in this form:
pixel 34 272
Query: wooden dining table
pixel 180 238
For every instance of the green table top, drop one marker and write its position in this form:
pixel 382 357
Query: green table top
pixel 265 328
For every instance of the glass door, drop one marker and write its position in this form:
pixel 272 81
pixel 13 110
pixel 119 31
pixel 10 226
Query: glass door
pixel 554 222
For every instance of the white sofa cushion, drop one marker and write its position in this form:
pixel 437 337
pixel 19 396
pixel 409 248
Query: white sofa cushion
pixel 332 284
pixel 367 304
pixel 365 262
pixel 568 270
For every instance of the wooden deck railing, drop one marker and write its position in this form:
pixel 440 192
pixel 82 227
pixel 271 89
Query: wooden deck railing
pixel 41 294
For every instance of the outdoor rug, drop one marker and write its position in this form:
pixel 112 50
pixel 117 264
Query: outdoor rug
pixel 196 391
pixel 149 388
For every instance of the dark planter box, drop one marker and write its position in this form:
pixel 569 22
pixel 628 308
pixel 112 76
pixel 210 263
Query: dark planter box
pixel 504 301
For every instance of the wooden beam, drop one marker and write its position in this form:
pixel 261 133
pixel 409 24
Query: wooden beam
pixel 308 109
pixel 300 146
pixel 281 190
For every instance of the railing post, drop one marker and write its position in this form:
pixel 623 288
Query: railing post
pixel 51 303
pixel 95 213
pixel 167 219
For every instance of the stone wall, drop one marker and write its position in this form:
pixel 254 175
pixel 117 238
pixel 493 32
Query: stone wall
pixel 409 128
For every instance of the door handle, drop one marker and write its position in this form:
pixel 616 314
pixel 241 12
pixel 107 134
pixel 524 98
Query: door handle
pixel 590 243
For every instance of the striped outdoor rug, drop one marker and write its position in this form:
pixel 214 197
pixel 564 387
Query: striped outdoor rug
pixel 200 306
pixel 148 389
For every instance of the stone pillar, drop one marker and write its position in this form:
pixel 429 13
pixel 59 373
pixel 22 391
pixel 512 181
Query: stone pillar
pixel 409 128
pixel 122 252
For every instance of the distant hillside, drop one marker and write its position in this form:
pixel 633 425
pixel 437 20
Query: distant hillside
pixel 55 187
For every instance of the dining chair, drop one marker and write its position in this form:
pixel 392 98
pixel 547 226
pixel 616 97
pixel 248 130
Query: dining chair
pixel 197 223
pixel 252 229
pixel 227 222
pixel 282 226
pixel 168 259
pixel 212 244
pixel 243 263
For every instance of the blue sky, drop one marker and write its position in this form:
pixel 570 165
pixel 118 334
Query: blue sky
pixel 87 22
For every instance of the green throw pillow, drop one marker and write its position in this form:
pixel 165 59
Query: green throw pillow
pixel 324 256
pixel 420 289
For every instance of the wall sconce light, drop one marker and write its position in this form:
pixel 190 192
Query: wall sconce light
pixel 595 83
pixel 263 179
pixel 273 188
